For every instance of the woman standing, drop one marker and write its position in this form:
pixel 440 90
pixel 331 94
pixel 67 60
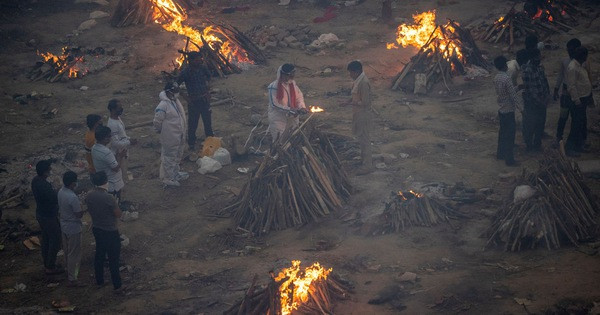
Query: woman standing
pixel 285 101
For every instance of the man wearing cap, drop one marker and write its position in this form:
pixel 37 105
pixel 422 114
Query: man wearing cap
pixel 169 122
pixel 196 77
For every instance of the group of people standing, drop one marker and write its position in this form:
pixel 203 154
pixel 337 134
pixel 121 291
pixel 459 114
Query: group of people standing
pixel 59 216
pixel 573 86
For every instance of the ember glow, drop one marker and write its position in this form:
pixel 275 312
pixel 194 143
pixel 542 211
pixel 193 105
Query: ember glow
pixel 296 289
pixel 411 194
pixel 316 109
pixel 425 31
pixel 65 62
pixel 171 17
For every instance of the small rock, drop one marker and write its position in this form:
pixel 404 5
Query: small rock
pixel 486 191
pixel 98 15
pixel 290 39
pixel 86 25
pixel 84 88
pixel 381 165
pixel 408 277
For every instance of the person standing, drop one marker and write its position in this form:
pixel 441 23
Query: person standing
pixel 362 118
pixel 579 88
pixel 560 89
pixel 106 161
pixel 536 95
pixel 92 121
pixel 105 211
pixel 196 77
pixel 507 102
pixel 70 212
pixel 286 101
pixel 120 142
pixel 169 122
pixel 46 214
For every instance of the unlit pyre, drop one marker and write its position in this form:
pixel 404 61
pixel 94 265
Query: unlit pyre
pixel 563 211
pixel 299 180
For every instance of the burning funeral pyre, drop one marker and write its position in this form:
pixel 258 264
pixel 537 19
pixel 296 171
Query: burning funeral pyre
pixel 73 62
pixel 444 51
pixel 562 211
pixel 407 209
pixel 541 18
pixel 225 49
pixel 299 181
pixel 309 291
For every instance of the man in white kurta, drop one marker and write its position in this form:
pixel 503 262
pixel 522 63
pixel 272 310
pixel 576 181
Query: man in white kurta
pixel 285 101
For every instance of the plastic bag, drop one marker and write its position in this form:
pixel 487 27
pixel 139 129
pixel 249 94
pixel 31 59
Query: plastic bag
pixel 223 156
pixel 208 165
pixel 210 146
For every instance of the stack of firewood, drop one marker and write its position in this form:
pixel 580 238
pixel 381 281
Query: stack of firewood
pixel 437 62
pixel 407 209
pixel 267 300
pixel 563 211
pixel 299 180
pixel 543 19
pixel 132 12
pixel 219 64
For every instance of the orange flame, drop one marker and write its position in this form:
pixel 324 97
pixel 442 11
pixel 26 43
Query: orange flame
pixel 418 35
pixel 171 17
pixel 413 193
pixel 316 109
pixel 64 62
pixel 295 290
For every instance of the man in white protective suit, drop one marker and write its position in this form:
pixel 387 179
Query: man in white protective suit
pixel 286 101
pixel 169 122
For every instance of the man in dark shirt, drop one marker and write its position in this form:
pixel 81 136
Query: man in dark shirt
pixel 104 211
pixel 46 214
pixel 196 77
pixel 535 99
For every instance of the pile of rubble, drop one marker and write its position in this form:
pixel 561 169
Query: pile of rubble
pixel 300 36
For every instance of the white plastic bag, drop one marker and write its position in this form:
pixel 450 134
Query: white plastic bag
pixel 522 193
pixel 223 156
pixel 208 165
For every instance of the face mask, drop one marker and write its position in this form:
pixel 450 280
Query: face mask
pixel 120 112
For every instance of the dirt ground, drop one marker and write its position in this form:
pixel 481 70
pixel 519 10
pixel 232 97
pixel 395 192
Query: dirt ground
pixel 183 258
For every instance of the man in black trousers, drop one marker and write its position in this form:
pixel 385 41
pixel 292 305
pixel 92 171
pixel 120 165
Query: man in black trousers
pixel 536 95
pixel 46 214
pixel 507 102
pixel 105 211
pixel 196 77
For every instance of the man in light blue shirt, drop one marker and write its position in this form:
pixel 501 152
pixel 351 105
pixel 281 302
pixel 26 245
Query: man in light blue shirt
pixel 70 214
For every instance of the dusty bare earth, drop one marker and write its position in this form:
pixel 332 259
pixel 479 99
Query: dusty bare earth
pixel 183 258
